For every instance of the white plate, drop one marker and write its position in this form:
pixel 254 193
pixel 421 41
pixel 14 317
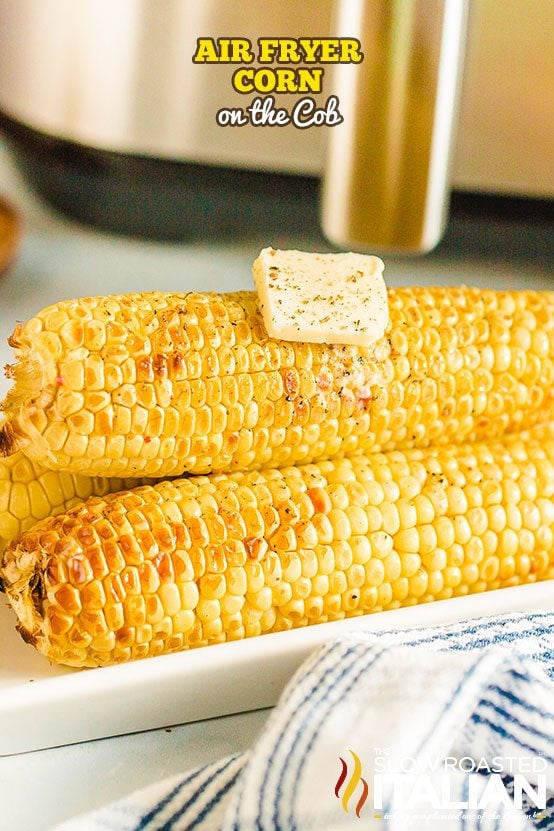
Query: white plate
pixel 45 706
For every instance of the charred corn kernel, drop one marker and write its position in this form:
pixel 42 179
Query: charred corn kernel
pixel 158 568
pixel 163 384
pixel 30 492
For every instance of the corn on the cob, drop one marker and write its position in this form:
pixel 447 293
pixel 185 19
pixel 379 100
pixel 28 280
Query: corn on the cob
pixel 210 559
pixel 29 493
pixel 162 384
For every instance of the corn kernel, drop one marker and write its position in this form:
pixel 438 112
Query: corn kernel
pixel 337 582
pixel 407 540
pixel 212 586
pixel 411 563
pixel 361 550
pixel 478 520
pixel 526 541
pixel 208 610
pixel 400 589
pixel 407 513
pixel 381 544
pixel 435 560
pixel 427 539
pixel 444 528
pixel 391 518
pixel 294 609
pixel 470 574
pixel 393 566
pixel 424 509
pixel 418 584
pixel 175 566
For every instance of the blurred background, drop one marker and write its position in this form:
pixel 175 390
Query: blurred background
pixel 115 176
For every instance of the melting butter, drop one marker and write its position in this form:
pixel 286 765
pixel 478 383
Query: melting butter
pixel 322 298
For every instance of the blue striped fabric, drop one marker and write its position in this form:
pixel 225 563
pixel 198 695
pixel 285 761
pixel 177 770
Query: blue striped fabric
pixel 478 693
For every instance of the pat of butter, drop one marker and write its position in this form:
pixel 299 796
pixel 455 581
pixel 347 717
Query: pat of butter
pixel 322 298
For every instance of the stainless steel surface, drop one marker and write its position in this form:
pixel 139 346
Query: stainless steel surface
pixel 119 76
pixel 387 173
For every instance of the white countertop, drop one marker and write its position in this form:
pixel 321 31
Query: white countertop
pixel 60 259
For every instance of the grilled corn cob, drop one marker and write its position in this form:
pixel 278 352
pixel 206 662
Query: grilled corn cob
pixel 209 559
pixel 162 384
pixel 29 492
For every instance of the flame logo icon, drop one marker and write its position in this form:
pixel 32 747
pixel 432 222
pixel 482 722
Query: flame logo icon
pixel 352 783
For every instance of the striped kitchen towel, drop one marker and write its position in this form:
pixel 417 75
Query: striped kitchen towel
pixel 448 728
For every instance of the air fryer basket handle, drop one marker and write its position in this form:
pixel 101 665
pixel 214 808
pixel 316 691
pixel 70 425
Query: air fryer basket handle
pixel 387 168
